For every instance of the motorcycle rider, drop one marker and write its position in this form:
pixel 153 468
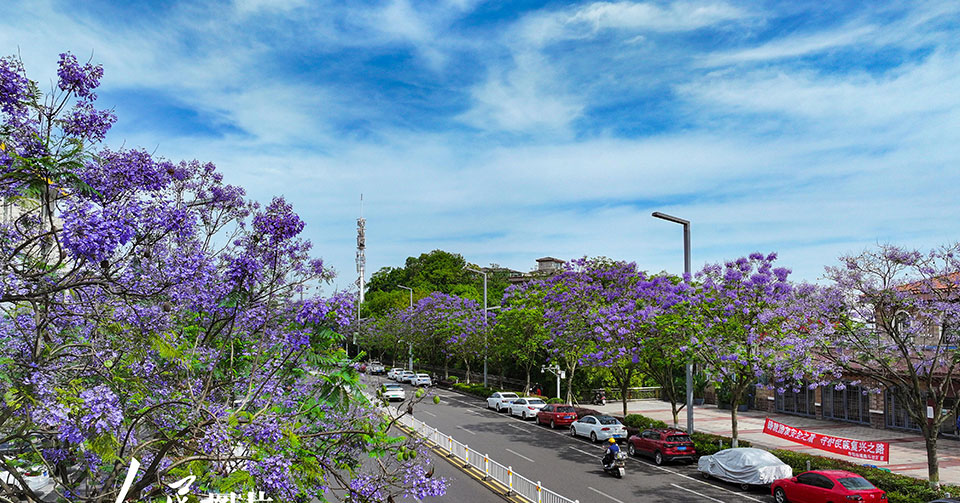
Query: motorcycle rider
pixel 612 450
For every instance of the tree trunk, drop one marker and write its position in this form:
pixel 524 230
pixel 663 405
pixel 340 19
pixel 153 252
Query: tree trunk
pixel 526 389
pixel 933 466
pixel 570 370
pixel 624 388
pixel 733 423
pixel 676 412
pixel 446 369
pixel 465 362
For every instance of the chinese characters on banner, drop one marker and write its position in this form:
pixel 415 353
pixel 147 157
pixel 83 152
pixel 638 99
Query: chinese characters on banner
pixel 863 449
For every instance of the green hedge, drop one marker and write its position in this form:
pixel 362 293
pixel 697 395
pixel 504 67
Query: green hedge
pixel 708 443
pixel 556 400
pixel 899 488
pixel 642 422
pixel 476 389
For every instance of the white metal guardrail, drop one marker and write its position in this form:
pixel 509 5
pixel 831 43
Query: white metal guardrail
pixel 515 483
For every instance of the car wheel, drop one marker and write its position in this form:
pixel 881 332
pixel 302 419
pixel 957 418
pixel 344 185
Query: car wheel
pixel 537 420
pixel 631 450
pixel 745 486
pixel 593 436
pixel 705 475
pixel 573 431
pixel 658 458
pixel 779 495
pixel 553 425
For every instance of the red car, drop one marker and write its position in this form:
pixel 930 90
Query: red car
pixel 557 414
pixel 662 444
pixel 822 486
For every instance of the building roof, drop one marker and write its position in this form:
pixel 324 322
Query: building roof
pixel 550 259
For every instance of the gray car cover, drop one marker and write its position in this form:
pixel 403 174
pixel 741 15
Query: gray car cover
pixel 745 465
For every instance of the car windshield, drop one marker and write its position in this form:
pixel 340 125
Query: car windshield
pixel 565 408
pixel 422 375
pixel 508 395
pixel 536 401
pixel 678 438
pixel 392 386
pixel 856 483
pixel 607 420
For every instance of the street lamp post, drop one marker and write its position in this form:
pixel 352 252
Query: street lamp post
pixel 411 306
pixel 410 344
pixel 686 270
pixel 484 319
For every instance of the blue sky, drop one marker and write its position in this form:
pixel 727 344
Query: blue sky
pixel 510 131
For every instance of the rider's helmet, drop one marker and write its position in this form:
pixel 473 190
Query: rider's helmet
pixel 612 440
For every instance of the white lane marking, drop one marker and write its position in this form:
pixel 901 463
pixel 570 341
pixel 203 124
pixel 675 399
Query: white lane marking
pixel 695 492
pixel 699 481
pixel 604 494
pixel 427 412
pixel 591 454
pixel 466 430
pixel 520 455
pixel 516 427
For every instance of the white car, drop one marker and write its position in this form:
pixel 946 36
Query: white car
pixel 598 428
pixel 500 400
pixel 391 392
pixel 422 380
pixel 526 407
pixel 406 377
pixel 375 367
pixel 392 373
pixel 745 466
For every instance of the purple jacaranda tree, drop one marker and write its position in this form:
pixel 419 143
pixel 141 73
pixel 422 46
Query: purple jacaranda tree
pixel 572 302
pixel 621 321
pixel 456 323
pixel 747 329
pixel 665 323
pixel 151 312
pixel 893 325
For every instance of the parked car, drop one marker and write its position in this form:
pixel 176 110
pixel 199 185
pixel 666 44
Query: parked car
pixel 375 367
pixel 556 414
pixel 407 376
pixel 598 428
pixel 422 380
pixel 392 391
pixel 500 401
pixel 392 373
pixel 823 486
pixel 526 407
pixel 746 466
pixel 662 444
pixel 362 367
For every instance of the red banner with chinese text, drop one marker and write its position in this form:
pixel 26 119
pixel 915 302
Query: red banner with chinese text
pixel 863 449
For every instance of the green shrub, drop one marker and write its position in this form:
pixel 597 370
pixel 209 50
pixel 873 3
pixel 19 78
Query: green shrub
pixel 642 422
pixel 899 488
pixel 476 389
pixel 708 443
pixel 556 400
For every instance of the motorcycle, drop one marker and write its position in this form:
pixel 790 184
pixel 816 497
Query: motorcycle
pixel 617 465
pixel 599 398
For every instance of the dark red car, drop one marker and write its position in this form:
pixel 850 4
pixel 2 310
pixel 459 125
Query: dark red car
pixel 822 486
pixel 557 414
pixel 662 444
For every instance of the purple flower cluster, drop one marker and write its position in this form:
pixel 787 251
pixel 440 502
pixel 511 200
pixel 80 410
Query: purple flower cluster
pixel 104 413
pixel 92 233
pixel 77 78
pixel 274 476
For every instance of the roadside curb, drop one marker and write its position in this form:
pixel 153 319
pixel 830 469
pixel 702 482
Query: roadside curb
pixel 494 486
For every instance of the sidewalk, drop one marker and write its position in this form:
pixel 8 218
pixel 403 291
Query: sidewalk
pixel 908 455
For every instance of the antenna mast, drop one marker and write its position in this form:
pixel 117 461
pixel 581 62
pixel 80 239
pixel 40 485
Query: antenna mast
pixel 361 246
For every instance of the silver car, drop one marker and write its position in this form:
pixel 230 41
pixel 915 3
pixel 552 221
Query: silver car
pixel 745 466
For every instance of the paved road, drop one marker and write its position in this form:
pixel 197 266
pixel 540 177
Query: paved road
pixel 566 465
